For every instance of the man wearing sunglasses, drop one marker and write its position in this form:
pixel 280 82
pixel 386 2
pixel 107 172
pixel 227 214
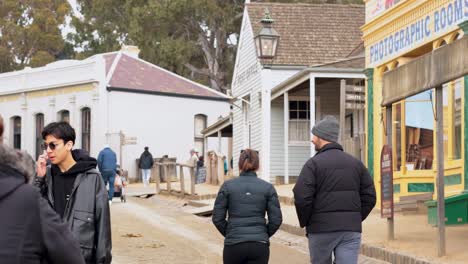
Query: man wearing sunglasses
pixel 76 191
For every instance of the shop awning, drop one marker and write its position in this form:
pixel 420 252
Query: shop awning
pixel 444 64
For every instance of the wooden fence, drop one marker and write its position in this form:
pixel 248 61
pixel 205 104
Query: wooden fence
pixel 169 178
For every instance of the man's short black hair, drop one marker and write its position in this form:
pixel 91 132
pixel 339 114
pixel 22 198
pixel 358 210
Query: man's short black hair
pixel 61 130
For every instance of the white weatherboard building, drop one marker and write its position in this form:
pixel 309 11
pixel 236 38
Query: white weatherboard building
pixel 106 96
pixel 277 100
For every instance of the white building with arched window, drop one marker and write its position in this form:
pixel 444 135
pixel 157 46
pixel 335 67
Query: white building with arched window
pixel 106 96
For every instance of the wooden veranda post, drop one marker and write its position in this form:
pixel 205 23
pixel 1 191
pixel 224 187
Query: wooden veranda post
pixel 388 123
pixel 192 180
pixel 157 178
pixel 168 178
pixel 182 180
pixel 440 172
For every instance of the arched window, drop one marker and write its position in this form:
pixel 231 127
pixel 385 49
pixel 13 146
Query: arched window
pixel 16 132
pixel 200 124
pixel 38 133
pixel 86 129
pixel 64 115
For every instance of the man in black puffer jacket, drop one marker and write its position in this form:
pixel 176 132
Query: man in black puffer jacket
pixel 333 195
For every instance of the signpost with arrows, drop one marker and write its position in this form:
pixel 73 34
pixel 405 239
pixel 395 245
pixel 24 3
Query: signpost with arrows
pixel 125 141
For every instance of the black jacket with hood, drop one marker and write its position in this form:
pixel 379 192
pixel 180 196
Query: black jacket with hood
pixel 334 192
pixel 30 231
pixel 87 210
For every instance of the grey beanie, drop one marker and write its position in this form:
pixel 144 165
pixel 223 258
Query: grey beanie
pixel 328 129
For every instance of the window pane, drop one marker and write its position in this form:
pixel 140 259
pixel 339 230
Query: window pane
pixel 445 100
pixel 86 129
pixel 303 115
pixel 397 123
pixel 17 132
pixel 38 135
pixel 302 105
pixel 293 115
pixel 292 105
pixel 419 145
pixel 458 120
pixel 64 116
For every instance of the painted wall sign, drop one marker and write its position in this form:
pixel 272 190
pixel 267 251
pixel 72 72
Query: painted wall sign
pixel 375 8
pixel 386 182
pixel 430 26
pixel 247 74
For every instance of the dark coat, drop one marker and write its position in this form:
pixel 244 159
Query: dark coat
pixel 31 232
pixel 146 160
pixel 107 160
pixel 246 199
pixel 87 212
pixel 334 192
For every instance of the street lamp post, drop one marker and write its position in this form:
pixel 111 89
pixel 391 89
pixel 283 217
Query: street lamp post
pixel 267 38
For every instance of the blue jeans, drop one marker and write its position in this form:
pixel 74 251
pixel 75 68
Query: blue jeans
pixel 109 177
pixel 344 245
pixel 146 175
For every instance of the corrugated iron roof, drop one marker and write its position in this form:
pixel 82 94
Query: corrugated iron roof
pixel 134 74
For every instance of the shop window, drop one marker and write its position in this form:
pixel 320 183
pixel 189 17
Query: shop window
pixel 38 134
pixel 16 132
pixel 299 120
pixel 397 138
pixel 419 131
pixel 64 116
pixel 200 124
pixel 457 105
pixel 86 129
pixel 452 102
pixel 446 92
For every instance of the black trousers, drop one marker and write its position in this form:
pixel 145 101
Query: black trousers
pixel 247 253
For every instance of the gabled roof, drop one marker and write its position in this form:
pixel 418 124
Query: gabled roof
pixel 311 34
pixel 131 74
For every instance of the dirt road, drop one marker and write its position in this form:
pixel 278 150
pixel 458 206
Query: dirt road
pixel 158 230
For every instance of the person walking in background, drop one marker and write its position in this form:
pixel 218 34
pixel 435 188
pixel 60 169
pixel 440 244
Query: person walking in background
pixel 333 195
pixel 244 201
pixel 145 165
pixel 225 164
pixel 31 232
pixel 76 191
pixel 193 158
pixel 107 164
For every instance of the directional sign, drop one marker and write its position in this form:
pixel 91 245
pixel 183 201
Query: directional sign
pixel 355 106
pixel 386 182
pixel 130 141
pixel 355 97
pixel 355 88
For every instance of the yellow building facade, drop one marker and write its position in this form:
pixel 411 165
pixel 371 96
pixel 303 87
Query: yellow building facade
pixel 396 33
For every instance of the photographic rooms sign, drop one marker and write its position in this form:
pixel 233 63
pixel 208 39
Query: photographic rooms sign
pixel 423 29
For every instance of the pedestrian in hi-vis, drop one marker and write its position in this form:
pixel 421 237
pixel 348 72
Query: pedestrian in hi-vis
pixel 333 195
pixel 76 191
pixel 145 165
pixel 30 231
pixel 245 200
